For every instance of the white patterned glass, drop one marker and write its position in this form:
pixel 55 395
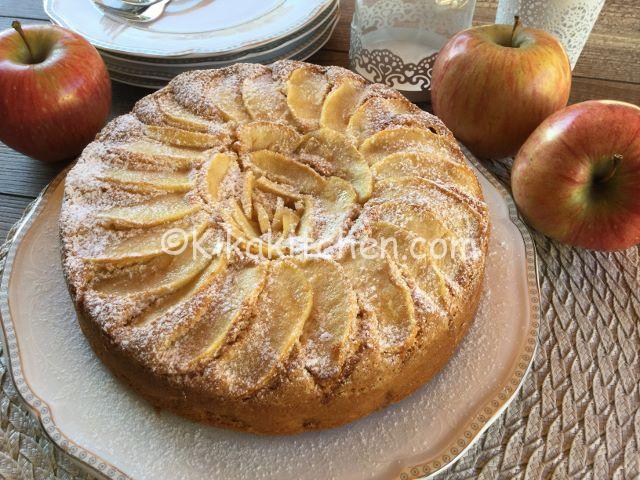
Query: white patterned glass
pixel 569 20
pixel 396 41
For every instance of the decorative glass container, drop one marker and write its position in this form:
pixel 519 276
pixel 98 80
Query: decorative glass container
pixel 569 20
pixel 396 42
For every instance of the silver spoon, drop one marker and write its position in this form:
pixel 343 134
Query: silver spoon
pixel 134 13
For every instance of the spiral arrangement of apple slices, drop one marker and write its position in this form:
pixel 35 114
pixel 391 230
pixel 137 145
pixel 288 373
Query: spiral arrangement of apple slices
pixel 295 165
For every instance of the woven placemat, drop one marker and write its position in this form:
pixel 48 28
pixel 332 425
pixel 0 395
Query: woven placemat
pixel 576 416
pixel 26 452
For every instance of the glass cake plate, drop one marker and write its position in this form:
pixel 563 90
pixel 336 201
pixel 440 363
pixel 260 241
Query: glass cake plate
pixel 111 431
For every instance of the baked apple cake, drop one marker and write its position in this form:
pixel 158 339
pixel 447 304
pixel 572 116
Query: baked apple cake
pixel 274 249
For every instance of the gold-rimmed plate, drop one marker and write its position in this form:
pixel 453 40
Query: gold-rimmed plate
pixel 110 430
pixel 193 28
pixel 157 77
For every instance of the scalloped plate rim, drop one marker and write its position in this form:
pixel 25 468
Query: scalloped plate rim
pixel 191 51
pixel 299 51
pixel 88 460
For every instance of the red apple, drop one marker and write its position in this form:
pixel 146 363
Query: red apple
pixel 577 178
pixel 55 92
pixel 493 85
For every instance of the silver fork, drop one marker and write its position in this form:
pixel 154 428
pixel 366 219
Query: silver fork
pixel 125 5
pixel 138 12
pixel 140 3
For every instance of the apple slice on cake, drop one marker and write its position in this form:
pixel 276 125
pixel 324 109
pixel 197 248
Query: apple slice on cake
pixel 369 117
pixel 307 88
pixel 340 104
pixel 286 192
pixel 344 159
pixel 282 169
pixel 168 303
pixel 327 215
pixel 218 167
pixel 284 305
pixel 450 223
pixel 158 210
pixel 413 254
pixel 384 294
pixel 160 275
pixel 262 217
pixel 150 152
pixel 149 243
pixel 185 138
pixel 263 98
pixel 428 166
pixel 404 139
pixel 178 116
pixel 256 136
pixel 462 214
pixel 144 180
pixel 223 91
pixel 332 319
pixel 246 236
pixel 235 294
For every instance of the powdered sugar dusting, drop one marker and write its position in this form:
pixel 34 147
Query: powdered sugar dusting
pixel 308 207
pixel 101 414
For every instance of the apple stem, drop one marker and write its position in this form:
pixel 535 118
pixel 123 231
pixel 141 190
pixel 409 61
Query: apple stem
pixel 516 24
pixel 616 160
pixel 18 28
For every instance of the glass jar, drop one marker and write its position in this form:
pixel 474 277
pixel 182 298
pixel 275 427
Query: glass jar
pixel 569 20
pixel 396 42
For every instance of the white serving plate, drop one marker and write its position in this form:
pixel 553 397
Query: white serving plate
pixel 109 429
pixel 315 39
pixel 189 27
pixel 310 30
pixel 147 79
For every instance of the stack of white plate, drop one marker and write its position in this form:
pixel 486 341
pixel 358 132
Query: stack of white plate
pixel 197 34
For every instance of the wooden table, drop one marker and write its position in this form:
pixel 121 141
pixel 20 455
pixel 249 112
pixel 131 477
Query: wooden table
pixel 608 68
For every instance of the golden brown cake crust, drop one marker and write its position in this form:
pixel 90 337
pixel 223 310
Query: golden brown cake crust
pixel 300 168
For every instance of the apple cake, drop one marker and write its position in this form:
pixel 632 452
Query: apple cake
pixel 274 249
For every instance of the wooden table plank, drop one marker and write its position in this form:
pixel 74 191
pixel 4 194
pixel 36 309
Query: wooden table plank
pixel 22 9
pixel 610 57
pixel 24 176
pixel 11 209
pixel 619 17
pixel 5 22
pixel 330 57
pixel 339 41
pixel 594 88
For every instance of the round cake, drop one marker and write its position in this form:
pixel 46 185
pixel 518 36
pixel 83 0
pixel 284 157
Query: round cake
pixel 274 249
